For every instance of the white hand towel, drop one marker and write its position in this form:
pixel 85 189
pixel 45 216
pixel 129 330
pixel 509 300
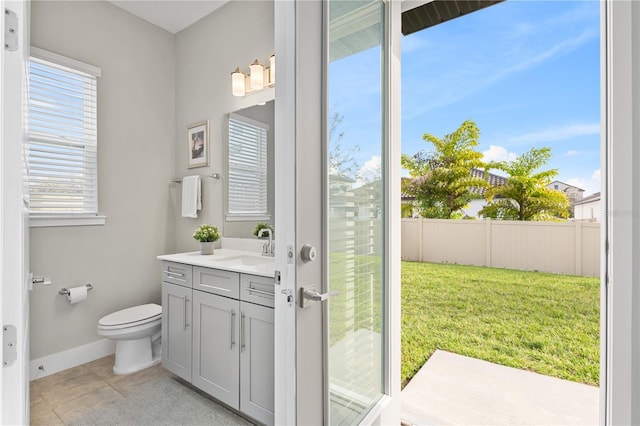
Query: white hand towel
pixel 191 196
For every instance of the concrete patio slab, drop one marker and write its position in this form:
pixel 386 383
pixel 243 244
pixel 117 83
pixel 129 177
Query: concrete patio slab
pixel 458 390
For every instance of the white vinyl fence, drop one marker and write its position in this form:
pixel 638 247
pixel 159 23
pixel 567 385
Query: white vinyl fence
pixel 560 247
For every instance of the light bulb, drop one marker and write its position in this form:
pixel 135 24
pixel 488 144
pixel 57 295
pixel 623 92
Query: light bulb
pixel 257 75
pixel 237 83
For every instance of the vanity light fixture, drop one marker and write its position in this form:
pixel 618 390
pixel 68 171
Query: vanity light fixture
pixel 259 77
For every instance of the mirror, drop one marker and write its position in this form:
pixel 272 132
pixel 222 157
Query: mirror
pixel 249 170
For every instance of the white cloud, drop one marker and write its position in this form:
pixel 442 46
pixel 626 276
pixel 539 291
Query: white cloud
pixel 498 153
pixel 558 133
pixel 578 181
pixel 370 171
pixel 590 185
pixel 571 153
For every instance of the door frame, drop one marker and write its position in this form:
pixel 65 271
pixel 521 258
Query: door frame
pixel 2 208
pixel 14 257
pixel 620 294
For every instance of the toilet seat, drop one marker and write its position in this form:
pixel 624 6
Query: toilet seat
pixel 131 317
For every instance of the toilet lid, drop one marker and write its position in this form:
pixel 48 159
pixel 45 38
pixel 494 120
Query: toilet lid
pixel 131 315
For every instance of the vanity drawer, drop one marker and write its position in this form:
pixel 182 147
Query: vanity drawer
pixel 177 273
pixel 216 281
pixel 257 289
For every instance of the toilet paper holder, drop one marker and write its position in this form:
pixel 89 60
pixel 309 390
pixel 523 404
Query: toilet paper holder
pixel 65 291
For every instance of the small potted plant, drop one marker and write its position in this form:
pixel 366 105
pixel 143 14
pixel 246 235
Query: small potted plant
pixel 260 226
pixel 207 235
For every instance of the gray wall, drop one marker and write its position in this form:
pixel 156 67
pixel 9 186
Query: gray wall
pixel 136 128
pixel 206 54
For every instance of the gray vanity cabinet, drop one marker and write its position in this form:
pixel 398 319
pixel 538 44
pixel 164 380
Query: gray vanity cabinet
pixel 217 333
pixel 176 329
pixel 216 365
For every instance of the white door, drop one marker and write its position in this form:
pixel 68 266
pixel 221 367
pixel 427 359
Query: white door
pixel 341 74
pixel 14 220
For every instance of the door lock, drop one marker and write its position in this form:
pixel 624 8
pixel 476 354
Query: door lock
pixel 308 253
pixel 289 293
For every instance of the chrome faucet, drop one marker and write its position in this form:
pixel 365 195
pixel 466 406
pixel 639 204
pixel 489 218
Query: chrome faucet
pixel 268 248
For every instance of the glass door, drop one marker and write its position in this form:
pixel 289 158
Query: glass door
pixel 354 209
pixel 337 110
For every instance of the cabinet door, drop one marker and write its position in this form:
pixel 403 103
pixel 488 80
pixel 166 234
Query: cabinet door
pixel 176 329
pixel 256 362
pixel 215 346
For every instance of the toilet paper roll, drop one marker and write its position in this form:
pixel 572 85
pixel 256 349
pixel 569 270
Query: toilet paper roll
pixel 77 294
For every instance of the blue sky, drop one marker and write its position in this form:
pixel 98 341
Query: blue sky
pixel 527 72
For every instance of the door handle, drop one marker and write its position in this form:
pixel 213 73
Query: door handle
pixel 232 321
pixel 308 294
pixel 184 320
pixel 242 334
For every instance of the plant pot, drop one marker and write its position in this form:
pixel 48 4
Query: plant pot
pixel 206 248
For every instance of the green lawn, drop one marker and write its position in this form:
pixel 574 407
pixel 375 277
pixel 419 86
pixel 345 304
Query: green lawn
pixel 534 321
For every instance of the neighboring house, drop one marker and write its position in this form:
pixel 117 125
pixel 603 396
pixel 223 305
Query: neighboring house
pixel 407 204
pixel 476 205
pixel 408 200
pixel 588 208
pixel 573 193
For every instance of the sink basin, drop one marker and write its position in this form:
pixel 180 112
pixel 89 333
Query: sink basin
pixel 247 260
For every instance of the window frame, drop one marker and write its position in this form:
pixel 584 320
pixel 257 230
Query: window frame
pixel 50 219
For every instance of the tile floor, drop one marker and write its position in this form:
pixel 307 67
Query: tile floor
pixel 65 397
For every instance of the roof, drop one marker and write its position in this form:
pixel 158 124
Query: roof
pixel 493 180
pixel 439 11
pixel 588 199
pixel 565 184
pixel 355 25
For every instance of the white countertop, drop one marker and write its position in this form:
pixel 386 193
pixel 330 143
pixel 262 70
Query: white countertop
pixel 246 262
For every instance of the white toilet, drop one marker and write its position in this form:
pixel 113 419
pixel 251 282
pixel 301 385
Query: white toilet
pixel 137 334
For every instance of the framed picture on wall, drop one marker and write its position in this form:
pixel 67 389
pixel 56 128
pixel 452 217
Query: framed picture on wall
pixel 198 144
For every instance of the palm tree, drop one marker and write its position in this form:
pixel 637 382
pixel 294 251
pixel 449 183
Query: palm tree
pixel 525 195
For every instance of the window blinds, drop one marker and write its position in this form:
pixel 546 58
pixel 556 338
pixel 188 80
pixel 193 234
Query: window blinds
pixel 247 166
pixel 62 122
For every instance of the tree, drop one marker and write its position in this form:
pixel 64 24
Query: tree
pixel 526 196
pixel 442 181
pixel 341 160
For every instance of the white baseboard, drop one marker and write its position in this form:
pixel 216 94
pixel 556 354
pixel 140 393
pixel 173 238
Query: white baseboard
pixel 73 357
